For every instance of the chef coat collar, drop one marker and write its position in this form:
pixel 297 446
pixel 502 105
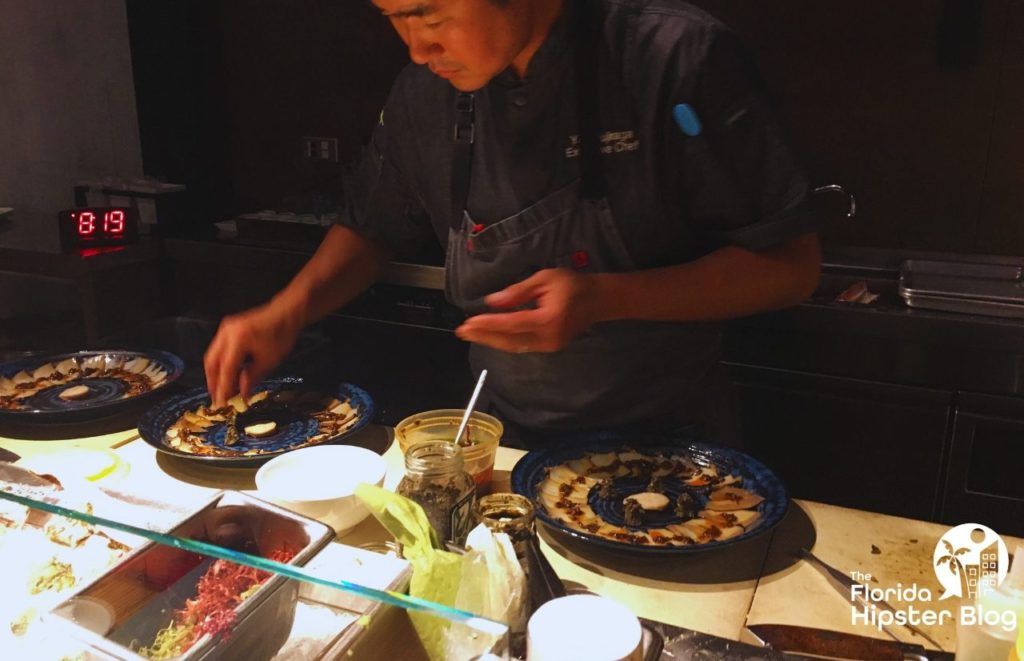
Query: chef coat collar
pixel 556 46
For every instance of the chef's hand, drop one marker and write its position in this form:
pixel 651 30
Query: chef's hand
pixel 564 306
pixel 247 346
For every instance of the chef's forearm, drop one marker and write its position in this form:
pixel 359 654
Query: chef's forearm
pixel 728 283
pixel 343 266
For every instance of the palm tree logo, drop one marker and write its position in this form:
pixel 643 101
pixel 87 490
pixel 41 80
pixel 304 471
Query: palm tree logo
pixel 968 559
pixel 952 561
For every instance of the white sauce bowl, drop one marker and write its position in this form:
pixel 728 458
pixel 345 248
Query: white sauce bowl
pixel 319 482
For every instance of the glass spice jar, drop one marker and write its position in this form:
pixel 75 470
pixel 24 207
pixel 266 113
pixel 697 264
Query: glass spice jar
pixel 511 514
pixel 436 479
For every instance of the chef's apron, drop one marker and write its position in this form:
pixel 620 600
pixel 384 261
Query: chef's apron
pixel 616 373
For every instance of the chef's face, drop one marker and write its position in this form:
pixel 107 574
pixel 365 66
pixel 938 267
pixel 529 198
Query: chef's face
pixel 467 42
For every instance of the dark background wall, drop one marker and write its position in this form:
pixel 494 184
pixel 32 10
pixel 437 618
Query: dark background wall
pixel 228 88
pixel 67 113
pixel 916 106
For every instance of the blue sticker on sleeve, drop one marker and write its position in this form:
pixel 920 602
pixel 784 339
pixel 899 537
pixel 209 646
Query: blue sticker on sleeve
pixel 687 120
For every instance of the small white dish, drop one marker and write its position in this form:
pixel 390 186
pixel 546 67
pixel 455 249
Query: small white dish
pixel 94 615
pixel 77 464
pixel 613 633
pixel 319 482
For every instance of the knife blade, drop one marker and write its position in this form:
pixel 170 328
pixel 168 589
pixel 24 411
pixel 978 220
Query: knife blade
pixel 825 644
pixel 844 585
pixel 544 583
pixel 683 643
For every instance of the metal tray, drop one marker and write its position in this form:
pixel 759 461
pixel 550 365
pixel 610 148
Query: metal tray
pixel 971 288
pixel 142 591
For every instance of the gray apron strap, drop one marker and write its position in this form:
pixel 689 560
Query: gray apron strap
pixel 462 163
pixel 588 16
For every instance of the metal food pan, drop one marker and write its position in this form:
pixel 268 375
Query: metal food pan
pixel 987 289
pixel 141 593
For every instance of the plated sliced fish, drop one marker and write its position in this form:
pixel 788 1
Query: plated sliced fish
pixel 113 362
pixel 189 433
pixel 68 367
pixel 44 371
pixel 137 365
pixel 22 377
pixel 719 509
pixel 733 498
pixel 138 374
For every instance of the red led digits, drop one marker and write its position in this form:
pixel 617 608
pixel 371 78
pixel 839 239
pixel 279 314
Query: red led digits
pixel 113 222
pixel 91 227
pixel 86 223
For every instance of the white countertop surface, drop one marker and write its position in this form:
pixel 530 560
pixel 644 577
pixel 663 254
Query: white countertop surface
pixel 717 592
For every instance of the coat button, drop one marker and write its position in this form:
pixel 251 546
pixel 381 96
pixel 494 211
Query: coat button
pixel 519 100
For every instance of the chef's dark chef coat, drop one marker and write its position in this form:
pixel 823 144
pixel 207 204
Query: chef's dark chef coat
pixel 676 190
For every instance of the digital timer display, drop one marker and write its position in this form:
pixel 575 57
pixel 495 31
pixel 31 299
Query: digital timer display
pixel 89 224
pixel 97 226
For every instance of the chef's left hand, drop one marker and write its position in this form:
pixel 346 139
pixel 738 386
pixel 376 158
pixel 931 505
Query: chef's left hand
pixel 564 307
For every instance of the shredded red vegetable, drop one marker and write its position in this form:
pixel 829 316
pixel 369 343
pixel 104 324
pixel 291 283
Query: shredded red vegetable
pixel 212 611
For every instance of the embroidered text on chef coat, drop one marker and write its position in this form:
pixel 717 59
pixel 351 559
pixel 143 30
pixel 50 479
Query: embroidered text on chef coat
pixel 612 142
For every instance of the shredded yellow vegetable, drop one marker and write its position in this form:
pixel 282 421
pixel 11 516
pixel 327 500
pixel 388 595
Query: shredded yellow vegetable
pixel 169 642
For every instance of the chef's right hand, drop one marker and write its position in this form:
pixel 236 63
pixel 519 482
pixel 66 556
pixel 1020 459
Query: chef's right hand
pixel 247 346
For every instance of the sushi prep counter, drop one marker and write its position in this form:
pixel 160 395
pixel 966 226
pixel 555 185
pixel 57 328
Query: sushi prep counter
pixel 720 591
pixel 326 622
pixel 28 448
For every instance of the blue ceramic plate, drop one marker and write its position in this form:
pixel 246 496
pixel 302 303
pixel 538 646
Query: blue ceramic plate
pixel 102 382
pixel 531 470
pixel 291 405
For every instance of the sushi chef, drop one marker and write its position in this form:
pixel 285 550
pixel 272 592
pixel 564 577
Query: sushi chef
pixel 610 182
